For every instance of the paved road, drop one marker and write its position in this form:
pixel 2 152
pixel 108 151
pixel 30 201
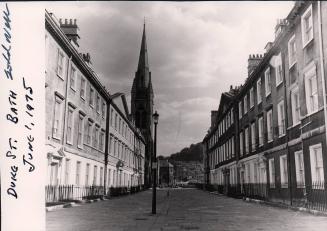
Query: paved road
pixel 184 209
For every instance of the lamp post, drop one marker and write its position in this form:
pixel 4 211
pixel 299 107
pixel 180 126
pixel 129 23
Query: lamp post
pixel 154 164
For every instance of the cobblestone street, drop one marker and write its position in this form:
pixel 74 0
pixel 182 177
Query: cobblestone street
pixel 184 209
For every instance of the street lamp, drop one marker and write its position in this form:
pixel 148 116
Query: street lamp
pixel 154 163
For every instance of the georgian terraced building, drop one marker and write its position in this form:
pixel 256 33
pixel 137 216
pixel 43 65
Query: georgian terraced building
pixel 277 118
pixel 91 139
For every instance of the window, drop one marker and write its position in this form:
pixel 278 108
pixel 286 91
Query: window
pixel 103 109
pixel 291 51
pixel 311 89
pixel 83 88
pixel 267 82
pixel 241 143
pixel 295 99
pixel 88 132
pixel 246 137
pixel 299 168
pixel 281 118
pixel 111 117
pixel 60 63
pixel 233 147
pixel 251 97
pixel 111 145
pixel 78 172
pixel 91 100
pixel 73 78
pixel 56 130
pixel 317 169
pixel 101 176
pixel 307 27
pixel 269 126
pixel 80 131
pixel 253 144
pixel 271 173
pixel 101 141
pixel 116 121
pixel 260 128
pixel 67 171
pixel 97 107
pixel 95 172
pixel 259 97
pixel 245 104
pixel 69 137
pixel 279 70
pixel 95 136
pixel 87 174
pixel 255 171
pixel 283 171
pixel 115 147
pixel 240 109
pixel 232 116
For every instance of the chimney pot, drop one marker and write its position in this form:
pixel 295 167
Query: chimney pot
pixel 66 20
pixel 60 21
pixel 75 21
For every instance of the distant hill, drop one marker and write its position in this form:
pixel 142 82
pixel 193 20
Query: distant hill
pixel 192 153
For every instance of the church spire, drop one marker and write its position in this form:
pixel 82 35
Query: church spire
pixel 143 59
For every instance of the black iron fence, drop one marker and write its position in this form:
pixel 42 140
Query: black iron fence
pixel 316 196
pixel 312 196
pixel 56 193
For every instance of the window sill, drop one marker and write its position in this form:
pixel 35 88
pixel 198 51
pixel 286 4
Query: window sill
pixel 307 43
pixel 279 83
pixel 292 65
pixel 60 77
pixel 269 141
pixel 311 113
pixel 73 89
pixel 281 135
pixel 268 94
pixel 294 125
pixel 80 147
pixel 56 137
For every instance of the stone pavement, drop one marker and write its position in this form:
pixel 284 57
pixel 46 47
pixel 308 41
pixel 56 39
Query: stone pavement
pixel 184 209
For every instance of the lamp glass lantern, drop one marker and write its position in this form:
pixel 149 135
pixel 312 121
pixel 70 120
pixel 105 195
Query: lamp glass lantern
pixel 155 117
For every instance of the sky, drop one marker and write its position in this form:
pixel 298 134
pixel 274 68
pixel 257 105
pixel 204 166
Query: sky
pixel 197 50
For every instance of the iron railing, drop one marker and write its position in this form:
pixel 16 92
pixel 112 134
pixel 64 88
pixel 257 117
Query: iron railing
pixel 313 197
pixel 56 193
pixel 316 196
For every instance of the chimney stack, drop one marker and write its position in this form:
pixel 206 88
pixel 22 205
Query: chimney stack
pixel 70 29
pixel 87 58
pixel 214 116
pixel 253 62
pixel 281 24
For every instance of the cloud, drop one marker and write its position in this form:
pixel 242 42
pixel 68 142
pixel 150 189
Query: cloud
pixel 196 51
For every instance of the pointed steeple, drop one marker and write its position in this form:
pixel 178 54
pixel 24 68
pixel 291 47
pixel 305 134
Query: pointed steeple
pixel 142 73
pixel 143 59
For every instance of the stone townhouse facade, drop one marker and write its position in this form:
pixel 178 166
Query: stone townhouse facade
pixel 280 113
pixel 80 113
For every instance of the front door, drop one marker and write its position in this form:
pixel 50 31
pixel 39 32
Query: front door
pixel 54 173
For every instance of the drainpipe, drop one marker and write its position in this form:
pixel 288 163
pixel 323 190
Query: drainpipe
pixel 288 154
pixel 106 151
pixel 65 112
pixel 322 69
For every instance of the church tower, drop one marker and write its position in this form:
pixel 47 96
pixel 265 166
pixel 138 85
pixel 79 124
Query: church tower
pixel 142 105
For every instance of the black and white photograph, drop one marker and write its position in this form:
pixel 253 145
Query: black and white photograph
pixel 177 115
